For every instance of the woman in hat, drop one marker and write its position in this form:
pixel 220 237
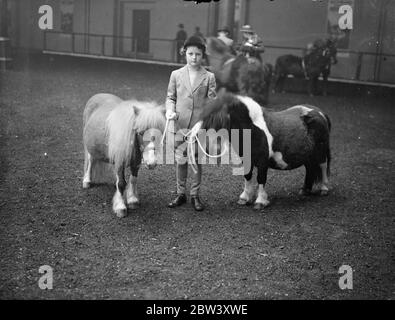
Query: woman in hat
pixel 252 44
pixel 188 88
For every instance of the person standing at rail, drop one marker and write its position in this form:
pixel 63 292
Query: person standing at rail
pixel 187 91
pixel 181 36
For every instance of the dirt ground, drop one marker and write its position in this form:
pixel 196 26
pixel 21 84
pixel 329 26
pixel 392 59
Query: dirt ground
pixel 291 250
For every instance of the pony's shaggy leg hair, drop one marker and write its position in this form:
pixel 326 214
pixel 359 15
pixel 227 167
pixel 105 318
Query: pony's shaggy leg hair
pixel 246 197
pixel 87 170
pixel 324 189
pixel 118 204
pixel 261 201
pixel 132 199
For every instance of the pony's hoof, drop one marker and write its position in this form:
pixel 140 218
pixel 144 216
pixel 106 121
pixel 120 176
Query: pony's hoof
pixel 86 185
pixel 324 192
pixel 304 192
pixel 260 205
pixel 133 205
pixel 122 213
pixel 243 202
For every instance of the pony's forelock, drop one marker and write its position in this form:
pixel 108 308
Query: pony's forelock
pixel 150 116
pixel 120 133
pixel 124 121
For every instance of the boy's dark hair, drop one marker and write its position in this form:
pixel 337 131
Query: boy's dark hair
pixel 196 42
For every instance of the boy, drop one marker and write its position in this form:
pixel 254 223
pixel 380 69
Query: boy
pixel 187 91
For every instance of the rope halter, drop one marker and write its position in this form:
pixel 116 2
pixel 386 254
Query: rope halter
pixel 191 137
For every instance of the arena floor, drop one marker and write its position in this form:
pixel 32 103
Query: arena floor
pixel 291 250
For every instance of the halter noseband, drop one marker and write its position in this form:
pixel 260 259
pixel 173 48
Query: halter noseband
pixel 143 149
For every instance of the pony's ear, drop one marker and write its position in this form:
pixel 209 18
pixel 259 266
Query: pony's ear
pixel 136 110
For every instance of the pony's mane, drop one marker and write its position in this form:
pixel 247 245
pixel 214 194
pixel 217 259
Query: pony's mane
pixel 150 116
pixel 215 113
pixel 241 110
pixel 123 122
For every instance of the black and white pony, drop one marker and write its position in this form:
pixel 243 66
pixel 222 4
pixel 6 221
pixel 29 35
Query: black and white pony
pixel 314 63
pixel 239 74
pixel 122 133
pixel 284 140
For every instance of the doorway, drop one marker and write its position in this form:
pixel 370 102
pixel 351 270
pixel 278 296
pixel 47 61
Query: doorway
pixel 141 30
pixel 134 29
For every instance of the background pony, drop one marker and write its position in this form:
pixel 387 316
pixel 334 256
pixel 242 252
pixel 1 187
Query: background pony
pixel 239 74
pixel 284 140
pixel 123 133
pixel 316 61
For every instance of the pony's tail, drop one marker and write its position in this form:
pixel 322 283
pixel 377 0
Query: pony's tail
pixel 316 169
pixel 323 151
pixel 316 173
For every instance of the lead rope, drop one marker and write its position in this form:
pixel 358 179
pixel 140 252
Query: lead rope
pixel 165 131
pixel 191 138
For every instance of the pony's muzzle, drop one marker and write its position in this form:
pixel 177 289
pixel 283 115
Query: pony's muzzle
pixel 149 158
pixel 150 166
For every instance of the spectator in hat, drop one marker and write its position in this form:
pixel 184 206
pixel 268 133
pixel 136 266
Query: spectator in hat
pixel 251 45
pixel 181 36
pixel 223 34
pixel 187 91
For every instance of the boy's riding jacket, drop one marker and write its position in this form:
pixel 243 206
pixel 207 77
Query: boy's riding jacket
pixel 186 99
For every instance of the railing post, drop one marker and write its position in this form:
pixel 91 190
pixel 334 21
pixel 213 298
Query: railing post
pixel 102 45
pixel 135 47
pixel 173 50
pixel 45 40
pixel 359 66
pixel 72 42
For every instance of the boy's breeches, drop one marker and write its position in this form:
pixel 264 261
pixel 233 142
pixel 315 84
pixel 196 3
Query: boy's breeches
pixel 181 159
